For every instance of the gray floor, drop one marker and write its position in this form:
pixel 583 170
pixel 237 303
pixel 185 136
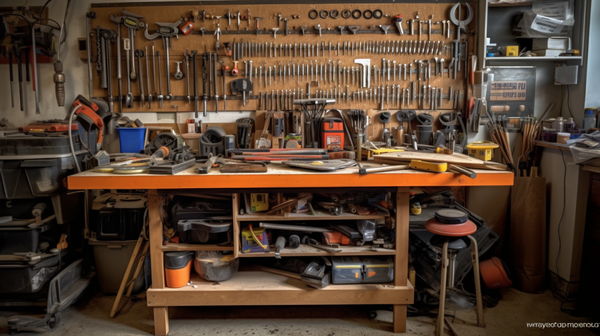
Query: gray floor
pixel 508 318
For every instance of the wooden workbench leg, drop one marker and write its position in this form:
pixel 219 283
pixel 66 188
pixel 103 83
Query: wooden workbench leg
pixel 402 213
pixel 155 228
pixel 399 318
pixel 161 321
pixel 401 257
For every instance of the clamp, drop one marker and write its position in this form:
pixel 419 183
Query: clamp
pixel 166 31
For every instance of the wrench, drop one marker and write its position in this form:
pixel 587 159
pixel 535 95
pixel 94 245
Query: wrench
pixel 139 53
pixel 148 80
pixel 129 96
pixel 195 66
pixel 178 74
pixel 160 95
pixel 132 22
pixel 186 59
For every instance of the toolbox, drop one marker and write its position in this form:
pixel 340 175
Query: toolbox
pixel 118 216
pixel 354 270
pixel 377 269
pixel 425 257
pixel 346 270
pixel 333 134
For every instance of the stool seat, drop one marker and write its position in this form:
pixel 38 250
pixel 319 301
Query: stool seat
pixel 455 243
pixel 451 230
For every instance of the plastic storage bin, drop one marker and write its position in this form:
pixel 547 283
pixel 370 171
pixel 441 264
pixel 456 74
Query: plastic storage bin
pixel 112 258
pixel 132 139
pixel 35 166
pixel 23 239
pixel 177 268
pixel 22 277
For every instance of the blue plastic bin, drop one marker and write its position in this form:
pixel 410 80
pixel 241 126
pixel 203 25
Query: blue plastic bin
pixel 132 139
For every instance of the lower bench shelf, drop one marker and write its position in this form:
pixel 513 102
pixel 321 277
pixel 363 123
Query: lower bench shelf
pixel 256 288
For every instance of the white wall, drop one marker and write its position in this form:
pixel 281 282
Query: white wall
pixel 592 93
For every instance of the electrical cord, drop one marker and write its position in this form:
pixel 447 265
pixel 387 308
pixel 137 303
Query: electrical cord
pixel 568 92
pixel 555 284
pixel 563 209
pixel 71 113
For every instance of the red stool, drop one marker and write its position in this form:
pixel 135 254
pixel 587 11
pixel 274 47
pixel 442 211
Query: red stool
pixel 450 227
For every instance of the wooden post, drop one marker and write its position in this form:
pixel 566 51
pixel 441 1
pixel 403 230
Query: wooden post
pixel 401 257
pixel 161 316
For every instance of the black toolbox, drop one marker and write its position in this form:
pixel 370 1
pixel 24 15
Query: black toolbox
pixel 118 216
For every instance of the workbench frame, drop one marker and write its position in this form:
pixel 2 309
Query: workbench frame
pixel 259 288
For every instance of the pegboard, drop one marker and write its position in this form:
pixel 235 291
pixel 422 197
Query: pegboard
pixel 380 46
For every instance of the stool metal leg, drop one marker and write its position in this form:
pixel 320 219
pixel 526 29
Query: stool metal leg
pixel 475 260
pixel 442 307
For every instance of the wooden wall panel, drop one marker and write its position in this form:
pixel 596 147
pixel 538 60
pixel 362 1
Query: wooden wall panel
pixel 370 32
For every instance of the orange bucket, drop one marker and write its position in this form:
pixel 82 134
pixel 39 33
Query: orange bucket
pixel 178 266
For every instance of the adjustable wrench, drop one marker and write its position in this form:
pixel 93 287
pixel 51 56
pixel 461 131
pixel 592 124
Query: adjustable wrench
pixel 132 22
pixel 129 96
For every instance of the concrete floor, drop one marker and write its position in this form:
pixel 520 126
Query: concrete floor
pixel 507 318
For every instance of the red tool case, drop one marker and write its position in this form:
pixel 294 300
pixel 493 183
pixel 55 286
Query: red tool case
pixel 333 134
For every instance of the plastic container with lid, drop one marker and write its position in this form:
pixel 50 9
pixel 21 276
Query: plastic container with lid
pixel 558 124
pixel 569 125
pixel 589 119
pixel 483 150
pixel 177 268
pixel 562 137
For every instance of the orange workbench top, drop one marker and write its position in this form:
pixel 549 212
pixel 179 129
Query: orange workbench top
pixel 283 177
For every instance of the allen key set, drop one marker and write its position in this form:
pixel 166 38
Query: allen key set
pixel 261 57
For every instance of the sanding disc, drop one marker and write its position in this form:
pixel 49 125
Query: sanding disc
pixel 451 230
pixel 451 216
